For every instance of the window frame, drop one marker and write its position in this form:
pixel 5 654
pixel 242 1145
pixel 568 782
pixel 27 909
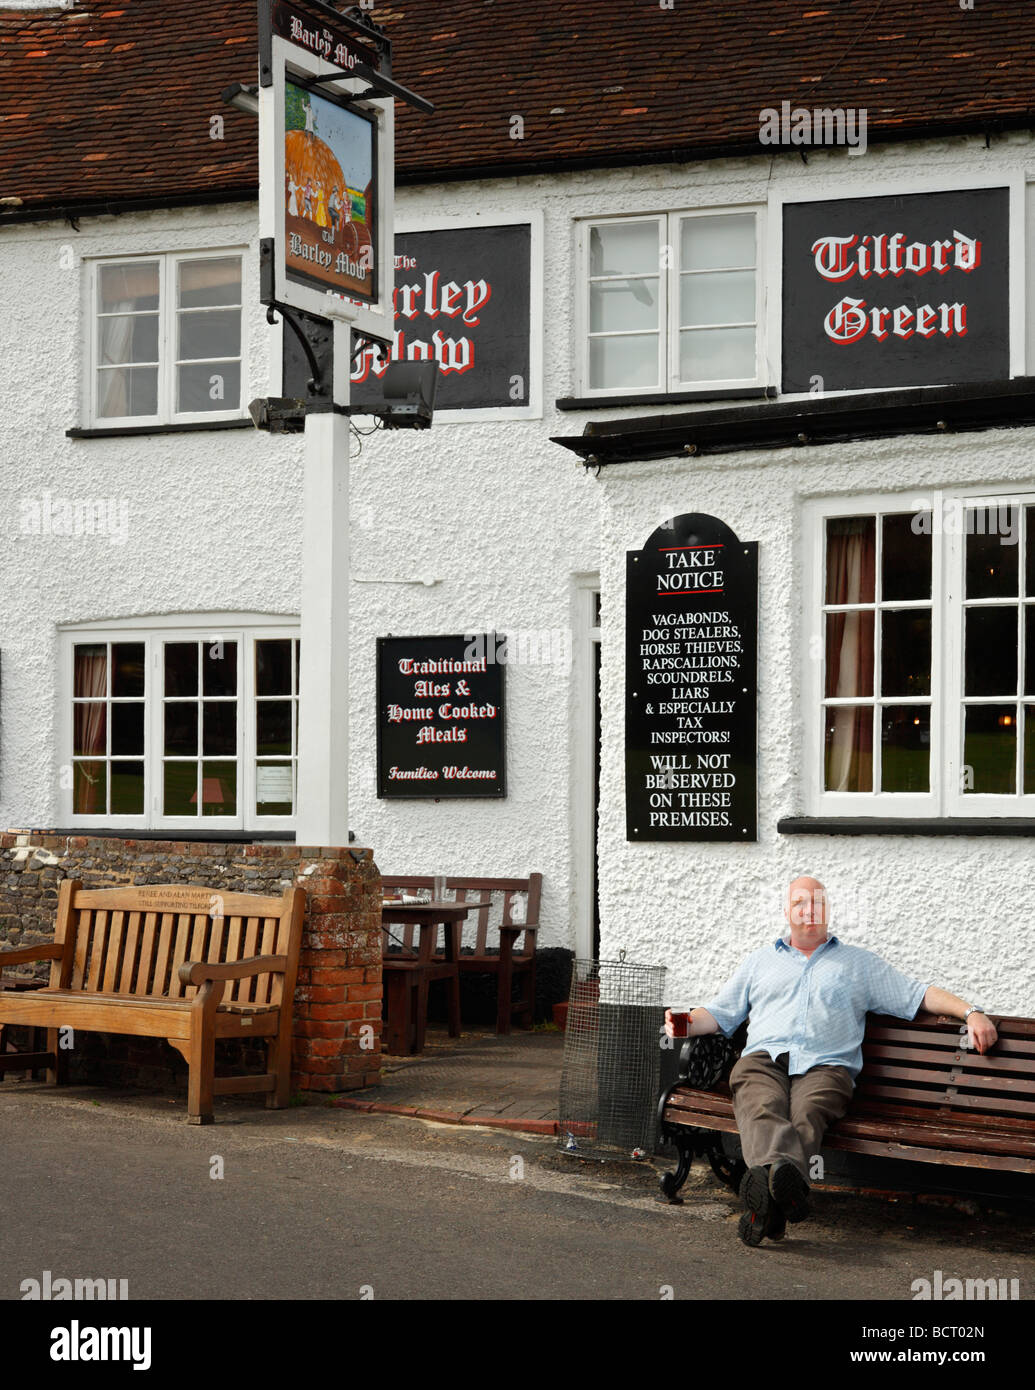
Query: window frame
pixel 668 378
pixel 246 630
pixel 946 798
pixel 168 263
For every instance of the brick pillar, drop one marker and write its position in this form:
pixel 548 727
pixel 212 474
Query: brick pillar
pixel 337 1030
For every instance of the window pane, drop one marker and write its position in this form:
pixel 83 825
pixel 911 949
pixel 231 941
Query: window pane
pixel 127 789
pixel 989 749
pixel 127 391
pixel 1029 750
pixel 990 654
pixel 851 559
pixel 127 669
pixel 126 287
pixel 849 654
pixel 91 729
pixel 905 748
pixel 219 789
pixel 220 668
pixel 1029 586
pixel 215 333
pixel 716 354
pixel 127 728
pixel 849 749
pixel 209 386
pixel 723 297
pixel 180 789
pixel 181 668
pixel 718 243
pixel 128 338
pixel 622 306
pixel 274 793
pixel 90 789
pixel 205 282
pixel 181 728
pixel 991 559
pixel 273 667
pixel 273 726
pixel 220 728
pixel 906 557
pixel 91 669
pixel 905 652
pixel 623 248
pixel 1029 650
pixel 629 362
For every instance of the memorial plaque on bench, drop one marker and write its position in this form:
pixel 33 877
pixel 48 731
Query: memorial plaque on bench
pixel 691 683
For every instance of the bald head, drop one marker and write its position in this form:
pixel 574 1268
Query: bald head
pixel 806 909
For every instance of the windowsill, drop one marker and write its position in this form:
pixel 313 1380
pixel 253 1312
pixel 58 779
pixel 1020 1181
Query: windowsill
pixel 123 832
pixel 906 825
pixel 734 393
pixel 111 431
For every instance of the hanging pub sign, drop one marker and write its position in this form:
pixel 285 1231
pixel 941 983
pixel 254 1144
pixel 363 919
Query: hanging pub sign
pixel 462 297
pixel 440 716
pixel 691 683
pixel 327 167
pixel 907 290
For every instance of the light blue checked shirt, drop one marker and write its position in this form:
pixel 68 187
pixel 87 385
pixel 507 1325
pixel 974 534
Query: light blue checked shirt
pixel 813 1007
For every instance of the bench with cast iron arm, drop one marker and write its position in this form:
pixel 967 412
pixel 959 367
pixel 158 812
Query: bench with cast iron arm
pixel 922 1096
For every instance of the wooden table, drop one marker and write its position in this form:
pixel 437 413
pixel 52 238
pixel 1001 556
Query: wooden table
pixel 408 977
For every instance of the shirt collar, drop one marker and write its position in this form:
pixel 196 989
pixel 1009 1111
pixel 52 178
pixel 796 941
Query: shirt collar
pixel 785 942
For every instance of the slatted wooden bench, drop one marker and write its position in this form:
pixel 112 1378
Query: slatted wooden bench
pixel 187 964
pixel 920 1096
pixel 509 961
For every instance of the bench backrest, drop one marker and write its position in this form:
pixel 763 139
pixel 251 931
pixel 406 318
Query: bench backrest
pixel 918 1070
pixel 502 893
pixel 134 940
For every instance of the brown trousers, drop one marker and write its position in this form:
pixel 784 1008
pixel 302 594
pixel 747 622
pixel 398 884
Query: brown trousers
pixel 783 1117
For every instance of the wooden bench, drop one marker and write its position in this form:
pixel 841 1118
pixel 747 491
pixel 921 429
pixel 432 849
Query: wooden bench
pixel 156 961
pixel 509 962
pixel 920 1096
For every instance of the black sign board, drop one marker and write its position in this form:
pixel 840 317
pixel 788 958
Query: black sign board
pixel 462 297
pixel 910 290
pixel 307 26
pixel 440 716
pixel 691 640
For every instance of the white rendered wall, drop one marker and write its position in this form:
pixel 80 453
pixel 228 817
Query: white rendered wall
pixel 506 520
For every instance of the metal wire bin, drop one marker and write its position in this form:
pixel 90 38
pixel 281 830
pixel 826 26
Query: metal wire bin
pixel 611 1072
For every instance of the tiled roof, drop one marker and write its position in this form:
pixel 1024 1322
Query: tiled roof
pixel 115 98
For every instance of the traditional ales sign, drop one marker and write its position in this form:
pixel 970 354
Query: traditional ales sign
pixel 690 692
pixel 910 290
pixel 440 716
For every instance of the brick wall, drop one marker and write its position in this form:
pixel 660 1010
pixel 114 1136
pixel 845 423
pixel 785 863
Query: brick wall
pixel 337 1016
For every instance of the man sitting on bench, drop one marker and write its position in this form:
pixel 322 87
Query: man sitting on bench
pixel 806 998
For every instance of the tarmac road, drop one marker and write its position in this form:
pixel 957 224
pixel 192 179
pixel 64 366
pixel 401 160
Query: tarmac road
pixel 322 1203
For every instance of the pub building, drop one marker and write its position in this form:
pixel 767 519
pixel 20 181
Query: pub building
pixel 717 564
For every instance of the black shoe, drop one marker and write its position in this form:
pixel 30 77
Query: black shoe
pixel 789 1191
pixel 754 1192
pixel 776 1224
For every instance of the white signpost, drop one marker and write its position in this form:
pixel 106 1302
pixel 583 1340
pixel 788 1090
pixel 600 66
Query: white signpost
pixel 326 158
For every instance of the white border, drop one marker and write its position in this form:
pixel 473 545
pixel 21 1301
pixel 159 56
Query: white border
pixel 945 798
pixel 473 222
pixel 168 309
pixel 840 187
pixel 375 319
pixel 246 629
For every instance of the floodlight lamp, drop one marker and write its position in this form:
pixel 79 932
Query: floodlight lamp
pixel 243 96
